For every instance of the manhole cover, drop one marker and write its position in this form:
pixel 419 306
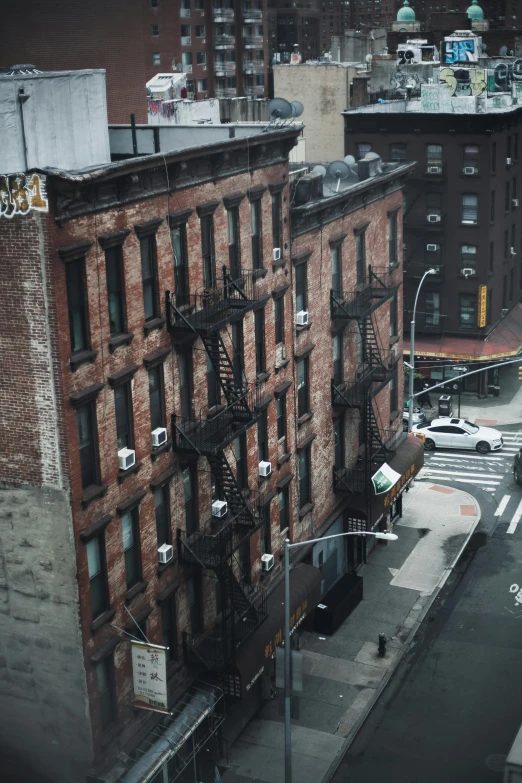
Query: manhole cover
pixel 496 762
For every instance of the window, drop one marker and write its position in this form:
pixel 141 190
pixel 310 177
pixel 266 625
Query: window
pixel 265 537
pixel 491 256
pixel 393 315
pixel 504 292
pixel 185 383
pixel 513 236
pixel 123 404
pixel 506 244
pixel 115 292
pixel 304 477
pixel 86 421
pixel 131 547
pixel 234 249
pixel 513 191
pixel 508 147
pixel 490 305
pixel 106 686
pixel 200 31
pixel 241 461
pixel 433 207
pixel 169 628
pixel 515 146
pixel 97 575
pixel 154 30
pixel 393 392
pixel 185 32
pixel 281 417
pixel 301 298
pixel 195 604
pixel 284 519
pixel 148 274
pixel 511 284
pixel 76 302
pixel 157 406
pixel 262 437
pixel 337 271
pixel 190 498
pixel 507 199
pixel 392 239
pixel 360 256
pixel 492 207
pixel 201 58
pixel 156 58
pixel 471 158
pixel 202 85
pixel 238 346
pixel 337 344
pixel 154 3
pixel 279 319
pixel 468 257
pixel 397 153
pixel 433 158
pixel 259 323
pixel 432 308
pixel 257 249
pixel 179 244
pixel 162 513
pixel 214 391
pixel 207 249
pixel 363 149
pixel 303 397
pixel 276 220
pixel 469 208
pixel 467 311
pixel 493 157
pixel 338 431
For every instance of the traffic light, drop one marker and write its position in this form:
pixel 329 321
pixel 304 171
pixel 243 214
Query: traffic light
pixel 520 373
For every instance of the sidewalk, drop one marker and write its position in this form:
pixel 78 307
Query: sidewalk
pixel 343 675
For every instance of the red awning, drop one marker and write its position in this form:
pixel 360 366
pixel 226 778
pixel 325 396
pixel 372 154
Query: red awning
pixel 504 341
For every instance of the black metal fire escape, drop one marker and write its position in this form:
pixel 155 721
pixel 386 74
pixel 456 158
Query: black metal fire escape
pixel 373 373
pixel 204 315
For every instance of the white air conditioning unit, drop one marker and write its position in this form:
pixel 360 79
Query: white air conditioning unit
pixel 159 436
pixel 203 40
pixel 126 458
pixel 280 356
pixel 432 248
pixel 265 469
pixel 467 272
pixel 219 508
pixel 508 161
pixel 513 251
pixel 165 553
pixel 434 169
pixel 203 67
pixel 276 255
pixel 469 170
pixel 188 41
pixel 301 318
pixel 268 562
pixel 515 202
pixel 433 218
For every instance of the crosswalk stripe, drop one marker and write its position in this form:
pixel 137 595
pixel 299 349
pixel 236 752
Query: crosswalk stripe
pixel 515 519
pixel 480 482
pixel 464 473
pixel 480 458
pixel 502 505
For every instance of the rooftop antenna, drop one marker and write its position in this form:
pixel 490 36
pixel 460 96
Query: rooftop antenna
pixel 340 170
pixel 279 109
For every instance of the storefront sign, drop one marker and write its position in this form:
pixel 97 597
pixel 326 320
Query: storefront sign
pixel 149 671
pixel 384 479
pixel 396 490
pixel 482 305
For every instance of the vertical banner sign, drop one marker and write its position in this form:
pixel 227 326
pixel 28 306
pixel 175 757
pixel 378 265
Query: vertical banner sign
pixel 149 671
pixel 483 305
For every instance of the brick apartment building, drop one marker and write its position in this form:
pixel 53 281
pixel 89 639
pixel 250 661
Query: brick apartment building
pixel 178 337
pixel 221 46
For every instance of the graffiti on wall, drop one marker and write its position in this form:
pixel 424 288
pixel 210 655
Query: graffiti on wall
pixel 21 193
pixel 404 80
pixel 464 81
pixel 460 51
pixel 504 75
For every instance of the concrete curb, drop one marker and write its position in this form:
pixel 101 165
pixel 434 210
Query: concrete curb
pixel 409 639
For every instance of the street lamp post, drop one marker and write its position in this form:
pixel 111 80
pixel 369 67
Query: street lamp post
pixel 288 547
pixel 412 347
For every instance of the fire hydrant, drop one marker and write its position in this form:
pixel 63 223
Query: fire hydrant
pixel 382 645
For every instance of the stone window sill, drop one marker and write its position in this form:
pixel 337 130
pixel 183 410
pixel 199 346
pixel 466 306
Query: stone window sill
pixel 394 340
pixel 154 323
pixel 120 339
pixel 305 510
pixel 162 567
pixel 260 273
pixel 102 619
pixel 278 264
pixel 262 377
pixel 82 357
pixel 282 460
pixel 90 494
pixel 139 587
pixel 394 415
pixel 303 328
pixel 304 418
pixel 156 451
pixel 282 365
pixel 123 474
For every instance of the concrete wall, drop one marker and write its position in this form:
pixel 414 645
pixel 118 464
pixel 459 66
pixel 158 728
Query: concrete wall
pixel 180 112
pixel 324 91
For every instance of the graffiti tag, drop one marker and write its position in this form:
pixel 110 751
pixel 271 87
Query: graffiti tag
pixel 20 193
pixel 463 81
pixel 504 74
pixel 460 51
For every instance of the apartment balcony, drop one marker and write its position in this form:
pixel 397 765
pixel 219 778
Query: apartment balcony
pixel 252 15
pixel 253 67
pixel 357 480
pixel 224 69
pixel 361 302
pixel 224 42
pixel 255 92
pixel 352 394
pixel 225 15
pixel 253 42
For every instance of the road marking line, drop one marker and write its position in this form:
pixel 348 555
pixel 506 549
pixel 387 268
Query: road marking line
pixel 464 473
pixel 502 505
pixel 515 519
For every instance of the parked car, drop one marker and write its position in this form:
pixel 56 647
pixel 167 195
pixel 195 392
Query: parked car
pixel 517 467
pixel 418 416
pixel 459 434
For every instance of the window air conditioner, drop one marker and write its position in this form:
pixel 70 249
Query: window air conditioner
pixel 470 170
pixel 513 251
pixel 301 318
pixel 508 161
pixel 276 253
pixel 203 40
pixel 432 248
pixel 204 68
pixel 159 436
pixel 268 562
pixel 219 508
pixel 188 41
pixel 126 458
pixel 433 218
pixel 467 271
pixel 515 202
pixel 265 469
pixel 165 553
pixel 434 170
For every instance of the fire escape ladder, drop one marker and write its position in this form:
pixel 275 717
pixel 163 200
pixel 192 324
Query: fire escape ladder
pixel 243 609
pixel 231 385
pixel 374 355
pixel 237 504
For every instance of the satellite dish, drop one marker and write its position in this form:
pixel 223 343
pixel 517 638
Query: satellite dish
pixel 319 170
pixel 371 156
pixel 503 51
pixel 297 108
pixel 340 170
pixel 349 160
pixel 368 58
pixel 280 109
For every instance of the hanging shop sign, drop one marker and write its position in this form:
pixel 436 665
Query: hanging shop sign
pixel 482 305
pixel 149 672
pixel 384 479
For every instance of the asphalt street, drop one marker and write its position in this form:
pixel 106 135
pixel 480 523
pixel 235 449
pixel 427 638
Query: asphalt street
pixel 454 704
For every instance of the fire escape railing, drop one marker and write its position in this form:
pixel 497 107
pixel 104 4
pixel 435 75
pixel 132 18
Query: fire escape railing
pixel 358 303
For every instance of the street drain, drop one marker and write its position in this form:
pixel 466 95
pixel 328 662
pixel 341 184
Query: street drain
pixel 496 762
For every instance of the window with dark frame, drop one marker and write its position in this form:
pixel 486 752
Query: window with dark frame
pixel 148 274
pixel 123 405
pixel 508 147
pixel 77 304
pixel 433 257
pixel 106 687
pixel 154 3
pixel 490 305
pixel 207 250
pixel 301 294
pixel 470 158
pixel 179 243
pixel 234 244
pixel 238 357
pixel 97 570
pixel 433 157
pixel 131 547
pixel 185 383
pixel 162 514
pixel 394 398
pixel 259 329
pixel 276 220
pixel 360 256
pixel 513 191
pixel 195 592
pixel 156 58
pixel 469 208
pixel 492 207
pixel 169 627
pixel 432 308
pixel 279 319
pixel 433 205
pixel 265 533
pixel 491 256
pixel 393 316
pixel 86 421
pixel 156 398
pixel 257 246
pixel 392 239
pixel 304 477
pixel 262 437
pixel 504 292
pixel 398 153
pixel 154 30
pixel 513 236
pixel 515 146
pixel 337 345
pixel 467 311
pixel 493 157
pixel 506 244
pixel 213 387
pixel 338 428
pixel 241 461
pixel 507 198
pixel 468 257
pixel 337 284
pixel 511 283
pixel 303 388
pixel 281 417
pixel 284 515
pixel 115 289
pixel 190 498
